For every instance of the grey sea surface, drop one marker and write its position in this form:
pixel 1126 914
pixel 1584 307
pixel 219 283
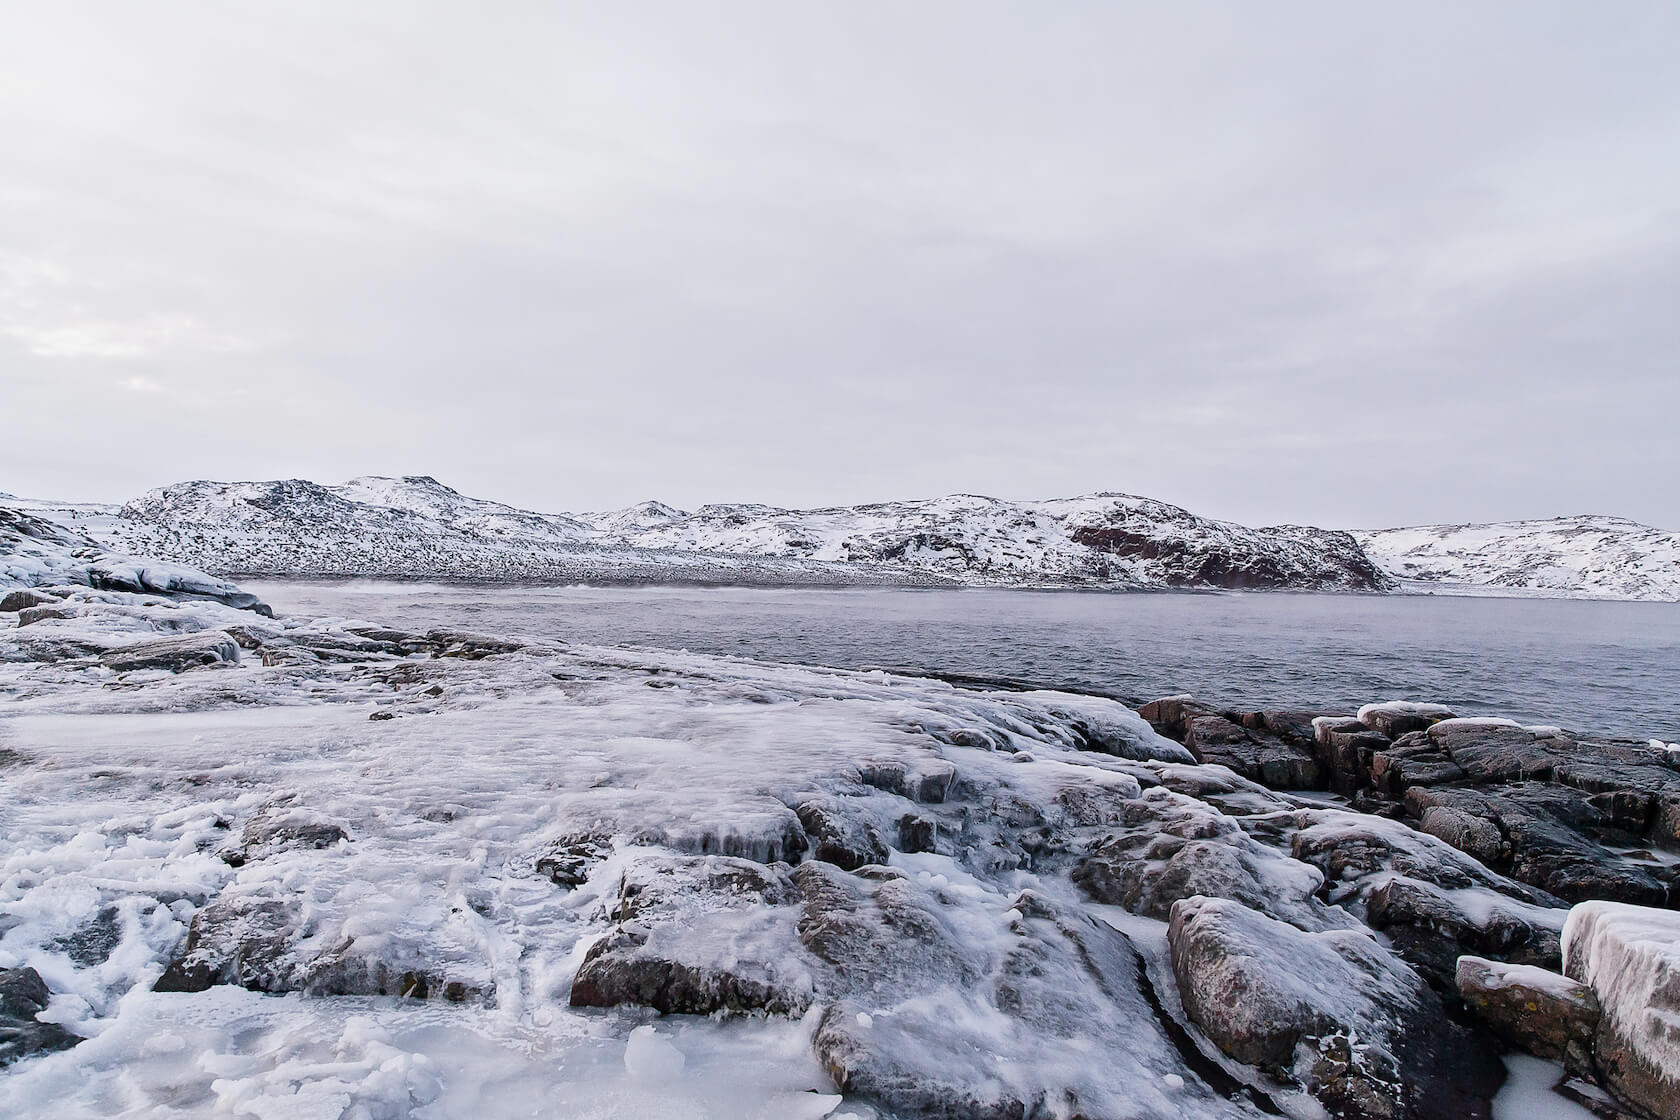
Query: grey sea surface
pixel 1605 667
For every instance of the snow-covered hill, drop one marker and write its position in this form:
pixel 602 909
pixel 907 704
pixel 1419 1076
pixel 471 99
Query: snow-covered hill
pixel 1586 556
pixel 416 526
pixel 1110 539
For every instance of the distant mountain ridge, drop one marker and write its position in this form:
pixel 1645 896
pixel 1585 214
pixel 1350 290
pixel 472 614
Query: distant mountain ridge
pixel 417 527
pixel 1587 556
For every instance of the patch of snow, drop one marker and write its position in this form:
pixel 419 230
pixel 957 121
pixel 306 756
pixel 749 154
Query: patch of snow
pixel 1530 1092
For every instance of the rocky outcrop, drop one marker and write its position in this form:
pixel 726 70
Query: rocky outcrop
pixel 189 651
pixel 23 996
pixel 1532 1009
pixel 1273 748
pixel 1334 1012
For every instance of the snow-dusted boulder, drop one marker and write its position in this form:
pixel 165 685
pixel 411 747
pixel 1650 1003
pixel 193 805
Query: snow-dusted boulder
pixel 1533 1009
pixel 1334 1012
pixel 1630 957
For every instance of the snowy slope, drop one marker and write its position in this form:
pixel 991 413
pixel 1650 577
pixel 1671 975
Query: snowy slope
pixel 1112 539
pixel 415 527
pixel 1586 556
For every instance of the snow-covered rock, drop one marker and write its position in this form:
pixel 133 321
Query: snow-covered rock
pixel 1630 957
pixel 1587 556
pixel 36 552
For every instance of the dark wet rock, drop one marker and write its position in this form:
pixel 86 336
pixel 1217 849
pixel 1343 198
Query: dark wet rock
pixel 840 834
pixel 917 833
pixel 278 828
pixel 1476 836
pixel 189 651
pixel 1256 754
pixel 1413 760
pixel 1534 1010
pixel 622 968
pixel 1346 747
pixel 236 941
pixel 24 598
pixel 29 616
pixel 1551 836
pixel 93 943
pixel 1176 848
pixel 1333 1011
pixel 570 863
pixel 1431 928
pixel 1489 752
pixel 264 944
pixel 23 995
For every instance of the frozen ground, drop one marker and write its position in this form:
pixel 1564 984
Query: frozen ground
pixel 304 867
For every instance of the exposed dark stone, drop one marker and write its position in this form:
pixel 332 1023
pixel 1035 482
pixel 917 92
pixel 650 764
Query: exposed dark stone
pixel 23 995
pixel 29 616
pixel 1430 930
pixel 25 597
pixel 1258 755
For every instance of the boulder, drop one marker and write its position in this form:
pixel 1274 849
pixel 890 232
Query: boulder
pixel 1345 747
pixel 29 616
pixel 23 995
pixel 1630 957
pixel 1334 1012
pixel 277 828
pixel 1541 1012
pixel 189 651
pixel 840 834
pixel 1431 928
pixel 25 597
pixel 1176 847
pixel 698 935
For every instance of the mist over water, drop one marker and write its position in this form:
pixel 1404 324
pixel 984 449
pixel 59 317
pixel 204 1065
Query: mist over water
pixel 1590 666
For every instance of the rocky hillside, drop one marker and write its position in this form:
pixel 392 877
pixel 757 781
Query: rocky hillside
pixel 415 527
pixel 418 527
pixel 1112 539
pixel 1586 556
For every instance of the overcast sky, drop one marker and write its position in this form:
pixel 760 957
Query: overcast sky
pixel 1274 262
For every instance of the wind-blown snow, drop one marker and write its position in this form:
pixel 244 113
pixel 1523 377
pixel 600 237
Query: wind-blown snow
pixel 1587 556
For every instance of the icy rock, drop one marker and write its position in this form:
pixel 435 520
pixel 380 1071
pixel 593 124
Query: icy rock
pixel 1333 1011
pixel 840 833
pixel 697 935
pixel 1630 957
pixel 209 647
pixel 934 1023
pixel 29 616
pixel 264 944
pixel 1177 847
pixel 279 828
pixel 23 994
pixel 24 598
pixel 1540 1012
